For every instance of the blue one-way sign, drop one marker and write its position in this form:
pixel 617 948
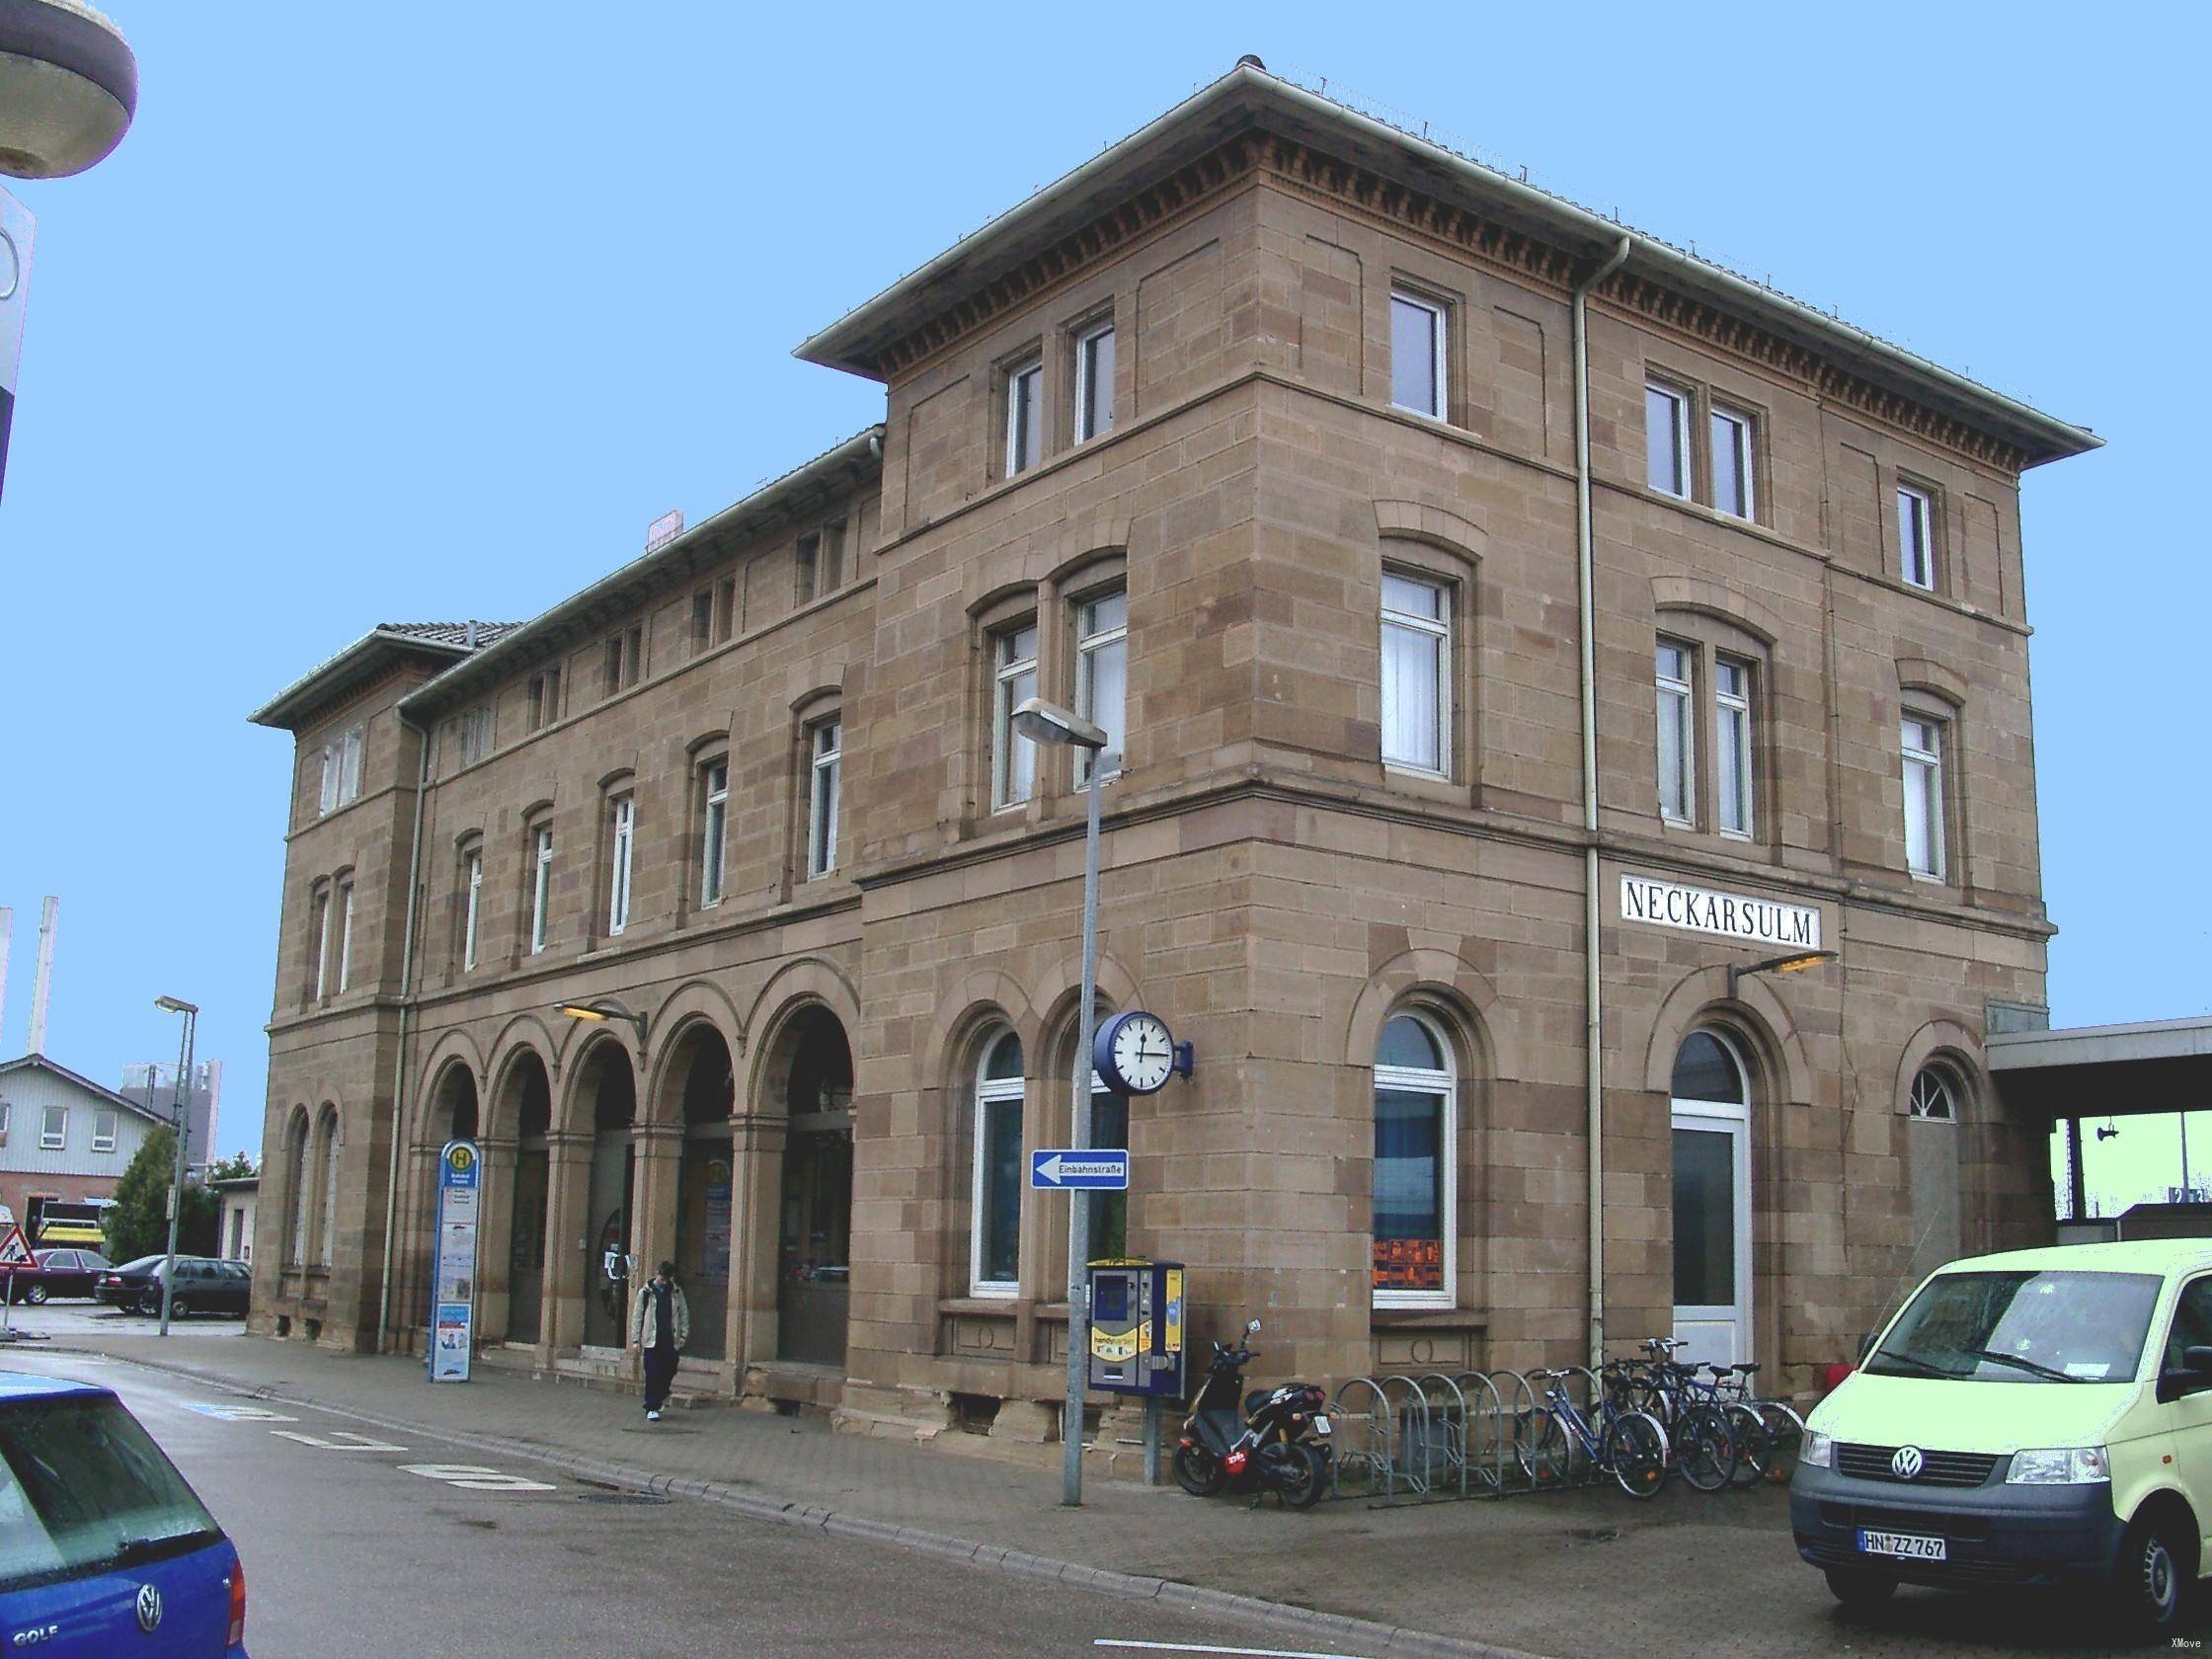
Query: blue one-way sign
pixel 1093 1168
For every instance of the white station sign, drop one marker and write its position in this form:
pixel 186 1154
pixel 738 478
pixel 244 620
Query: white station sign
pixel 1732 915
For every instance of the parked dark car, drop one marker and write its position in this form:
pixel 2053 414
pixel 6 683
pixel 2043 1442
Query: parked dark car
pixel 59 1273
pixel 203 1285
pixel 104 1549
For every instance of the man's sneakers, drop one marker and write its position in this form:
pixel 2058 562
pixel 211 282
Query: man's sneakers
pixel 653 1416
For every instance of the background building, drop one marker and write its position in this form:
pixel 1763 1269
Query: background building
pixel 1260 440
pixel 62 1136
pixel 153 1086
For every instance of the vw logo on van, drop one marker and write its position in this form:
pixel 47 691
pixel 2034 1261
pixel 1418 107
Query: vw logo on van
pixel 1906 1462
pixel 149 1609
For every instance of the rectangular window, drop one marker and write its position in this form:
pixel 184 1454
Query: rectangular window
pixel 1916 535
pixel 1731 695
pixel 103 1130
pixel 611 676
pixel 472 900
pixel 345 935
pixel 1923 743
pixel 714 821
pixel 702 620
pixel 533 703
pixel 54 1131
pixel 634 662
pixel 545 697
pixel 321 945
pixel 822 798
pixel 326 800
pixel 1417 675
pixel 1730 433
pixel 1666 437
pixel 541 885
pixel 350 765
pixel 808 562
pixel 475 735
pixel 1417 355
pixel 1678 789
pixel 1025 385
pixel 1013 758
pixel 622 831
pixel 1412 1189
pixel 725 610
pixel 996 1243
pixel 831 571
pixel 1103 674
pixel 1094 382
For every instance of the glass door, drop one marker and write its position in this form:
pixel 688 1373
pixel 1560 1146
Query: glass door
pixel 1712 1232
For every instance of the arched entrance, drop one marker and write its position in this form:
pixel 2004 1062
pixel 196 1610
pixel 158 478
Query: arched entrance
pixel 531 1094
pixel 1931 1114
pixel 452 1117
pixel 703 1187
pixel 1712 1115
pixel 610 1087
pixel 813 1255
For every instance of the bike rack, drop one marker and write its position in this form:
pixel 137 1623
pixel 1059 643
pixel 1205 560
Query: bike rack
pixel 1423 1437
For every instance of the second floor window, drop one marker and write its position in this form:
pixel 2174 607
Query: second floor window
pixel 475 735
pixel 345 935
pixel 1923 744
pixel 1916 535
pixel 542 699
pixel 1417 353
pixel 625 661
pixel 826 759
pixel 1094 382
pixel 1025 388
pixel 342 769
pixel 622 819
pixel 1730 433
pixel 714 817
pixel 54 1131
pixel 1416 682
pixel 321 975
pixel 1013 758
pixel 103 1130
pixel 472 905
pixel 1103 674
pixel 1678 787
pixel 541 885
pixel 1666 437
pixel 1731 756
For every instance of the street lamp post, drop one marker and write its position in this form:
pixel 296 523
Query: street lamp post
pixel 1054 727
pixel 170 1005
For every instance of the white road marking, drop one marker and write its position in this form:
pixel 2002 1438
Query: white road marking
pixel 343 1441
pixel 239 1413
pixel 471 1477
pixel 1196 1647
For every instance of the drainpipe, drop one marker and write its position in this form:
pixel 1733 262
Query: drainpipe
pixel 399 1065
pixel 1585 590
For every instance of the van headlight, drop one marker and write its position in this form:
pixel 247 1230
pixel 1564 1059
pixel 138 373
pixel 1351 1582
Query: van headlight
pixel 1819 1450
pixel 2075 1466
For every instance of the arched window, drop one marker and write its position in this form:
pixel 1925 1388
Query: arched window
pixel 296 1193
pixel 1706 1068
pixel 1415 1183
pixel 327 1229
pixel 1711 1136
pixel 1935 1097
pixel 995 1224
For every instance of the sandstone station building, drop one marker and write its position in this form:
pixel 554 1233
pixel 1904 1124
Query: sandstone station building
pixel 1514 630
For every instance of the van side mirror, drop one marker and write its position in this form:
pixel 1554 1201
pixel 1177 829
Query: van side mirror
pixel 2198 1359
pixel 2192 1376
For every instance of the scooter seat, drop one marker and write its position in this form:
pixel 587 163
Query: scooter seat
pixel 1256 1399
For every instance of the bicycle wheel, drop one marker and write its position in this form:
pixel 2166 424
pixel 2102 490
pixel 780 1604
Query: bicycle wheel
pixel 1637 1448
pixel 1755 1448
pixel 1786 1430
pixel 1705 1450
pixel 1540 1442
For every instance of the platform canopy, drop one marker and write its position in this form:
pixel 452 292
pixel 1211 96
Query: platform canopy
pixel 2105 1070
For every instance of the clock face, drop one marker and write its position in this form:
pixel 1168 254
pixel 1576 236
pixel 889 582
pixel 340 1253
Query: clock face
pixel 1144 1053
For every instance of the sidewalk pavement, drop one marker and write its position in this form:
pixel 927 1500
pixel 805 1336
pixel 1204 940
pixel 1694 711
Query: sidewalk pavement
pixel 1578 1575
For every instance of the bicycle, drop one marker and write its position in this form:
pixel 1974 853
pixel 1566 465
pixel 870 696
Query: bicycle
pixel 1708 1443
pixel 1772 1452
pixel 1629 1446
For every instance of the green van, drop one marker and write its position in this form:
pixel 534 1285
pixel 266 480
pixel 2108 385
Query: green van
pixel 2038 1417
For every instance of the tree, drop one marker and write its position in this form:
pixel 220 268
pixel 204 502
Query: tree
pixel 235 1167
pixel 137 1223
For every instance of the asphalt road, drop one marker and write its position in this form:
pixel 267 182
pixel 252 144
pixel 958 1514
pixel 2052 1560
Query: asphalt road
pixel 361 1541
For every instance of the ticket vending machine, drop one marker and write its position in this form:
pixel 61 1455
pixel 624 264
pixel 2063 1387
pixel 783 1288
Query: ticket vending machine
pixel 1136 1329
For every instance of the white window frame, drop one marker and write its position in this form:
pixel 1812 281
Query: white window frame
pixel 326 801
pixel 7 1120
pixel 1444 1086
pixel 1026 410
pixel 1740 424
pixel 1438 631
pixel 472 882
pixel 622 825
pixel 105 1124
pixel 1681 399
pixel 714 824
pixel 1089 645
pixel 1732 710
pixel 991 1092
pixel 1923 770
pixel 1934 1097
pixel 1916 522
pixel 1439 341
pixel 327 1224
pixel 51 1138
pixel 1006 670
pixel 345 934
pixel 1087 345
pixel 541 884
pixel 824 781
pixel 322 943
pixel 1676 696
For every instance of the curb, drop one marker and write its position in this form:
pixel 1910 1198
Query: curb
pixel 1388 1641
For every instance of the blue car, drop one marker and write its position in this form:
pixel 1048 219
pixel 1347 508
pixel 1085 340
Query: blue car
pixel 104 1552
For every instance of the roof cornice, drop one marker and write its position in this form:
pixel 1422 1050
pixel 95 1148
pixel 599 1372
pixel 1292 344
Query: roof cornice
pixel 354 669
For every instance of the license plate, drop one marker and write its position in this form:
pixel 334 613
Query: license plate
pixel 1321 1425
pixel 1906 1547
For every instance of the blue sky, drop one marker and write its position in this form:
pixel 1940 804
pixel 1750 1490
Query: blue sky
pixel 402 312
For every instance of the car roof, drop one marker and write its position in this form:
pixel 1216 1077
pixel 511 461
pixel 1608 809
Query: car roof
pixel 2133 1256
pixel 22 1384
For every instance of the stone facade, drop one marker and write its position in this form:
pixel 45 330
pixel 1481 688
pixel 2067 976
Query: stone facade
pixel 1269 885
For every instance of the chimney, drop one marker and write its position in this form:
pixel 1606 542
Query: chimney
pixel 7 928
pixel 49 924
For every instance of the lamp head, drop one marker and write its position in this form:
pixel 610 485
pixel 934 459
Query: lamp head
pixel 577 1011
pixel 171 1005
pixel 1050 724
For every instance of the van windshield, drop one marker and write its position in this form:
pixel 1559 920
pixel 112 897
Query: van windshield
pixel 84 1489
pixel 2021 1327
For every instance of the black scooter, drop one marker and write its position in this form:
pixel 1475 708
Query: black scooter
pixel 1263 1448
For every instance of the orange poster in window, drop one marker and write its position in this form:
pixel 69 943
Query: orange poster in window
pixel 1408 1264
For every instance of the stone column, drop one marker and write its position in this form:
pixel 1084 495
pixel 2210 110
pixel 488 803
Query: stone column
pixel 567 1198
pixel 495 1228
pixel 660 1156
pixel 412 1260
pixel 757 1140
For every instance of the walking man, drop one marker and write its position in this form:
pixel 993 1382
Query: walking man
pixel 659 1325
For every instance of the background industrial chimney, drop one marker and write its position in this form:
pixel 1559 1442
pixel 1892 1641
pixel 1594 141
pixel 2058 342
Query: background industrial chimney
pixel 49 924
